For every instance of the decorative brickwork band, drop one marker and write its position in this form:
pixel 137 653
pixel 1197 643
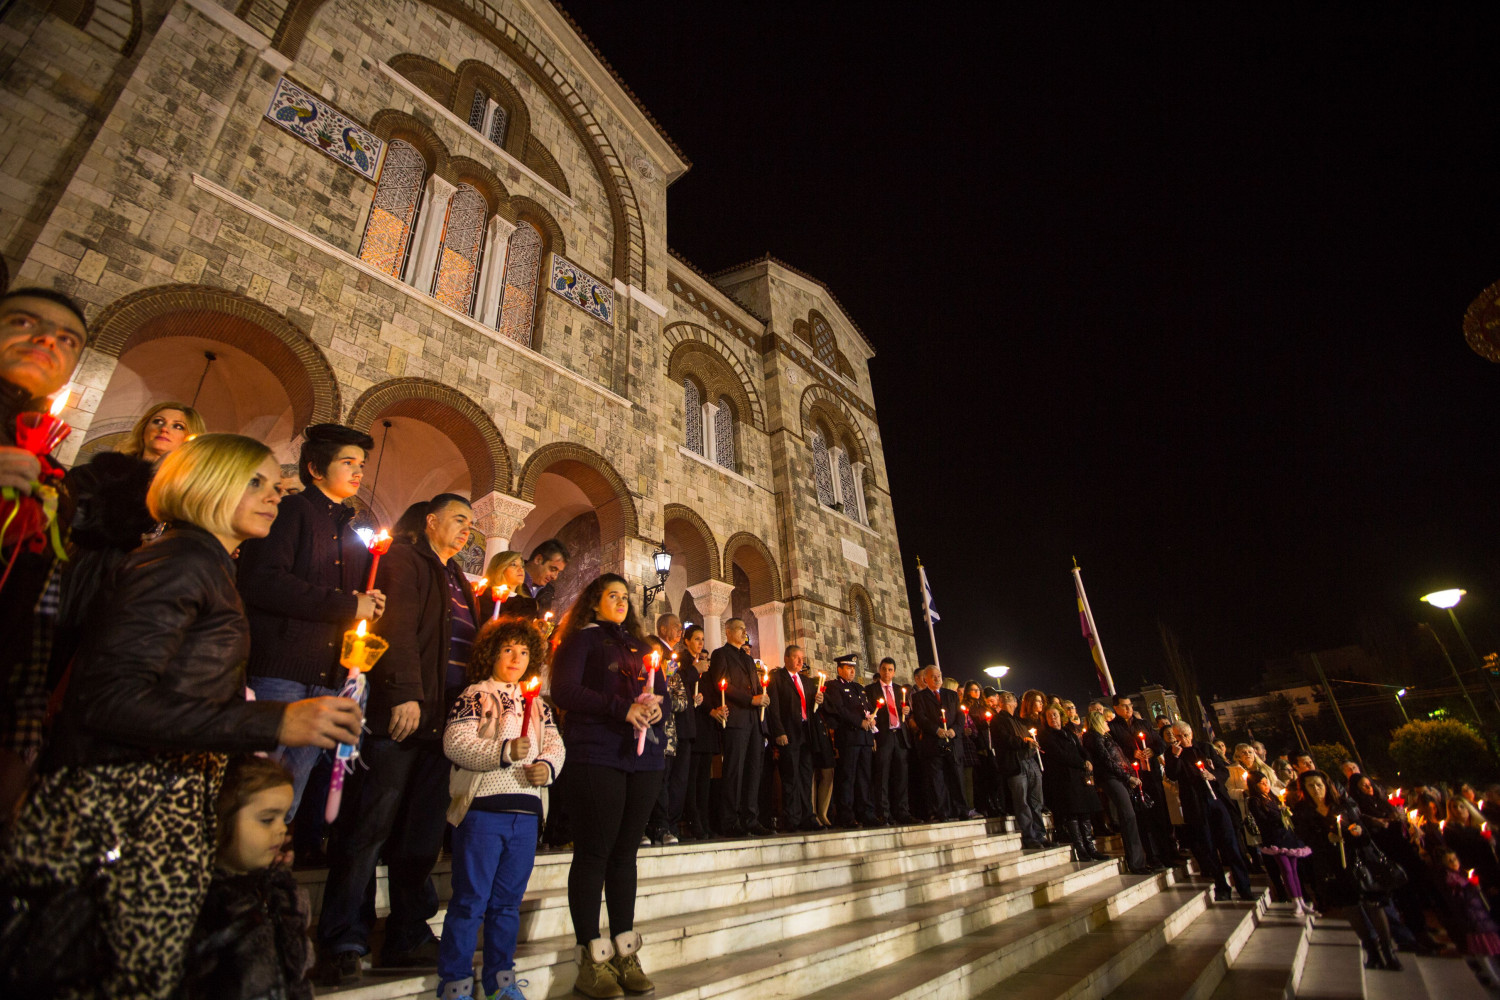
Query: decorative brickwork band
pixel 755 558
pixel 598 479
pixel 701 354
pixel 229 318
pixel 450 412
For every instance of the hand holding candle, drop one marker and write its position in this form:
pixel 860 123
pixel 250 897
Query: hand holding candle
pixel 361 652
pixel 379 546
pixel 1207 779
pixel 1039 762
pixel 500 594
pixel 528 696
pixel 653 663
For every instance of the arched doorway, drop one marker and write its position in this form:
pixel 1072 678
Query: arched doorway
pixel 751 568
pixel 695 559
pixel 241 364
pixel 581 501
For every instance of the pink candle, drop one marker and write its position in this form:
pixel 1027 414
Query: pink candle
pixel 655 660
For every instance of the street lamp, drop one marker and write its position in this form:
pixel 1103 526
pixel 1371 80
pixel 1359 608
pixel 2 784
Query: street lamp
pixel 1402 705
pixel 1448 600
pixel 997 671
pixel 662 560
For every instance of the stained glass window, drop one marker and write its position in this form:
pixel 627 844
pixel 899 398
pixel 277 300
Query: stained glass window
pixel 846 485
pixel 477 109
pixel 523 263
pixel 821 472
pixel 692 416
pixel 394 212
pixel 724 434
pixel 458 260
pixel 497 126
pixel 823 345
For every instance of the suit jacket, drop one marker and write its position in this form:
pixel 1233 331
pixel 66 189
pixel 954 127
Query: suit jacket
pixel 1011 749
pixel 1196 792
pixel 785 713
pixel 883 729
pixel 1127 736
pixel 738 668
pixel 543 596
pixel 845 703
pixel 927 710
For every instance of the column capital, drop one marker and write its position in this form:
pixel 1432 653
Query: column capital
pixel 712 597
pixel 768 608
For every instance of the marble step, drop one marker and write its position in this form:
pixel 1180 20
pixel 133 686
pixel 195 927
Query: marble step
pixel 1270 961
pixel 1193 964
pixel 699 937
pixel 1334 967
pixel 975 954
pixel 1446 979
pixel 551 868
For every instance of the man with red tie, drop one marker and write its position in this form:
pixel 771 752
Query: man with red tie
pixel 790 718
pixel 892 741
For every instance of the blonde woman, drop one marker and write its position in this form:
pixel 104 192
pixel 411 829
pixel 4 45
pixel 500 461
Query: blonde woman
pixel 155 703
pixel 162 430
pixel 506 569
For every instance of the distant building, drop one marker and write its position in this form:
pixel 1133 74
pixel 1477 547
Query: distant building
pixel 1270 708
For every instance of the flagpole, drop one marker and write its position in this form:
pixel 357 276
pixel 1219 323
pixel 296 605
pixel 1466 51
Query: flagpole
pixel 927 614
pixel 1091 632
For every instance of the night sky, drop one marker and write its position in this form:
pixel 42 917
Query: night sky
pixel 1174 290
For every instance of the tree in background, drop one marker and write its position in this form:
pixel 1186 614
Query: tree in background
pixel 1329 757
pixel 1441 750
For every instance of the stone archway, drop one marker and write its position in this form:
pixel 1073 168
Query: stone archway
pixel 695 558
pixel 751 569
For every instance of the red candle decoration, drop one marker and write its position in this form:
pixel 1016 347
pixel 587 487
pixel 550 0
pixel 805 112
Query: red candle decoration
pixel 38 432
pixel 379 546
pixel 480 586
pixel 528 695
pixel 1473 878
pixel 500 594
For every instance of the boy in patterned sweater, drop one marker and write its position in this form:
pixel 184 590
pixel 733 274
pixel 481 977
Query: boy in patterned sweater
pixel 495 808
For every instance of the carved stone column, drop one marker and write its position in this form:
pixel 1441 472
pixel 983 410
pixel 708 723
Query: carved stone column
pixel 497 516
pixel 712 600
pixel 769 619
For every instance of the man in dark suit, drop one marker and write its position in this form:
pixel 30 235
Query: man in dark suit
pixel 794 704
pixel 854 728
pixel 744 746
pixel 1200 778
pixel 1021 770
pixel 546 564
pixel 938 725
pixel 1140 744
pixel 892 742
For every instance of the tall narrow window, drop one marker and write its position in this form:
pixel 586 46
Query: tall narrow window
pixel 457 274
pixel 866 632
pixel 822 474
pixel 393 215
pixel 724 434
pixel 692 416
pixel 523 264
pixel 846 485
pixel 498 120
pixel 477 109
pixel 823 345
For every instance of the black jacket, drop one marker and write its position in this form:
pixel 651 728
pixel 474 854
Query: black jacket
pixel 1196 793
pixel 1066 777
pixel 738 668
pixel 597 673
pixel 844 702
pixel 927 718
pixel 1109 760
pixel 299 585
pixel 418 623
pixel 1011 748
pixel 883 729
pixel 1127 736
pixel 784 716
pixel 543 597
pixel 686 718
pixel 165 670
pixel 251 940
pixel 109 523
pixel 705 726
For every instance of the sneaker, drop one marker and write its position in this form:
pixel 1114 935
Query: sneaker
pixel 645 841
pixel 669 839
pixel 509 991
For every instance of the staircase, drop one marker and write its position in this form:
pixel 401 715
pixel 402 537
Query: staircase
pixel 946 911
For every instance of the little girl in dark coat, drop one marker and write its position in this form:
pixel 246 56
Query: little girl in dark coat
pixel 1468 919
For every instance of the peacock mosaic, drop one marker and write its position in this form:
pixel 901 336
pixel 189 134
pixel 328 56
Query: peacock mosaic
pixel 582 289
pixel 317 124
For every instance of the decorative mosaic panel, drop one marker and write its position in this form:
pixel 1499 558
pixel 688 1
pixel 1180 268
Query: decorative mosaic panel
pixel 582 289
pixel 846 485
pixel 317 124
pixel 458 263
pixel 692 416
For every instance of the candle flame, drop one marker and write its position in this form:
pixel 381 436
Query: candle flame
pixel 1412 814
pixel 533 684
pixel 987 714
pixel 359 629
pixel 59 402
pixel 1442 825
pixel 547 617
pixel 723 683
pixel 484 581
pixel 655 658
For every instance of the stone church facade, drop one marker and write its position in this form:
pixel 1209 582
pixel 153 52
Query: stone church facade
pixel 444 221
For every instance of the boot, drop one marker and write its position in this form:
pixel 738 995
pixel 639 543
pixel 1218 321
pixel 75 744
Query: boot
pixel 1067 830
pixel 627 964
pixel 596 975
pixel 1086 838
pixel 1388 959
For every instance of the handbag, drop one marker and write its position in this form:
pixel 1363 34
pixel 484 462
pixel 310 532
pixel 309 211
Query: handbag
pixel 1375 874
pixel 51 938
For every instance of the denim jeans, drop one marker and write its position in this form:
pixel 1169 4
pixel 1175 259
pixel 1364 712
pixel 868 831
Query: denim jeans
pixel 1026 801
pixel 298 760
pixel 492 858
pixel 396 807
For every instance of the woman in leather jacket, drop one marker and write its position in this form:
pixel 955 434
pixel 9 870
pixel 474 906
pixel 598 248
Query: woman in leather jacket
pixel 155 703
pixel 1118 781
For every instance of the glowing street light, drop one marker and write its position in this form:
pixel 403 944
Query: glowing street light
pixel 1445 599
pixel 1448 600
pixel 1401 704
pixel 998 671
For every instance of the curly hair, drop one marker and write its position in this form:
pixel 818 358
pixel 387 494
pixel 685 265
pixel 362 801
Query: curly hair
pixel 496 635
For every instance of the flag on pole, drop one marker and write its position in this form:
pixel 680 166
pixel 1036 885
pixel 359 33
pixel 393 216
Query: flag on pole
pixel 1091 633
pixel 928 612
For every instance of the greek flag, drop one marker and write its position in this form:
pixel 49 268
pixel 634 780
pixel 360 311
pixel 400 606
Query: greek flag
pixel 927 607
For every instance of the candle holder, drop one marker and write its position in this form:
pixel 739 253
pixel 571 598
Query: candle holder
pixel 361 650
pixel 40 433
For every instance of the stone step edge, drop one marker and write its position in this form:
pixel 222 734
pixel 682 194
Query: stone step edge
pixel 1219 961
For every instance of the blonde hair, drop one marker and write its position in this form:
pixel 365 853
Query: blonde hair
pixel 498 562
pixel 1099 723
pixel 202 482
pixel 136 443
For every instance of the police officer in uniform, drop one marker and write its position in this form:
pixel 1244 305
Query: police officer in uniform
pixel 852 714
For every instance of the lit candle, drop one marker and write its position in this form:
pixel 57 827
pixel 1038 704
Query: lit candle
pixel 38 432
pixel 484 582
pixel 360 652
pixel 822 679
pixel 1484 830
pixel 1473 878
pixel 654 661
pixel 724 698
pixel 989 734
pixel 903 699
pixel 379 546
pixel 528 695
pixel 765 686
pixel 1339 825
pixel 500 594
pixel 1204 772
pixel 1039 762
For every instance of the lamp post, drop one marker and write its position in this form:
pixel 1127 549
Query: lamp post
pixel 1456 678
pixel 1401 704
pixel 1448 600
pixel 662 560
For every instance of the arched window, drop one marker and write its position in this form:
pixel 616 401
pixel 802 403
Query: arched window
pixel 498 121
pixel 866 631
pixel 457 273
pixel 692 416
pixel 822 474
pixel 724 434
pixel 823 345
pixel 847 487
pixel 478 109
pixel 523 264
pixel 393 216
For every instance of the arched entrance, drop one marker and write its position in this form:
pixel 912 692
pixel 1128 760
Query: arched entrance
pixel 240 363
pixel 429 439
pixel 581 501
pixel 751 568
pixel 695 559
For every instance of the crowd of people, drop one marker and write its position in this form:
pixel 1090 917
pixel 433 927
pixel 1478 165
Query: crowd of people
pixel 179 692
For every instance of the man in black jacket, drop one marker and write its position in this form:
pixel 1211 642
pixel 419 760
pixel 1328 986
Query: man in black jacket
pixel 1200 781
pixel 854 729
pixel 401 799
pixel 1016 749
pixel 303 584
pixel 888 771
pixel 939 728
pixel 744 745
pixel 1142 746
pixel 794 704
pixel 543 567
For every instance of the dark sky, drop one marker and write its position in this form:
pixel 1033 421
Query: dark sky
pixel 1177 291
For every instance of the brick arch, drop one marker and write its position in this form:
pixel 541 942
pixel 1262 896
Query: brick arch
pixel 598 479
pixel 759 565
pixel 701 555
pixel 699 352
pixel 629 250
pixel 473 74
pixel 392 124
pixel 233 319
pixel 458 417
pixel 462 170
pixel 819 403
pixel 435 79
